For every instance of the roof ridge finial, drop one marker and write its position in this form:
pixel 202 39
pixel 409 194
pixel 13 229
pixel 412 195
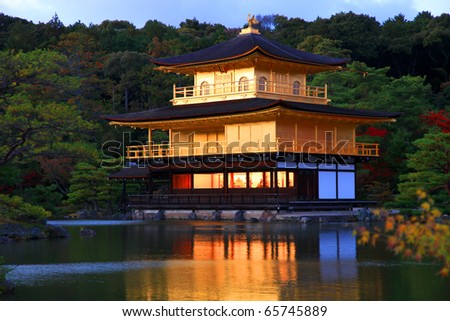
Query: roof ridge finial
pixel 251 20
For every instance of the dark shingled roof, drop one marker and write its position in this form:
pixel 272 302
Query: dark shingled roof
pixel 238 107
pixel 130 172
pixel 246 44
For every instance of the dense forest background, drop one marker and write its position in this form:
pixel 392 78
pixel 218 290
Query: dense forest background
pixel 56 81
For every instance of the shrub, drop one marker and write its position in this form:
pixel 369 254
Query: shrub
pixel 425 235
pixel 14 208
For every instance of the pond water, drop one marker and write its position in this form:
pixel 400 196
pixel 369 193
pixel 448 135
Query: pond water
pixel 215 261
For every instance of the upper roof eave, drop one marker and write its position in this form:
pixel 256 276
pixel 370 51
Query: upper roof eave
pixel 206 62
pixel 242 46
pixel 240 107
pixel 249 53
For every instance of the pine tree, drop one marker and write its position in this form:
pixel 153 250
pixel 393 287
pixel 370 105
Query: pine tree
pixel 429 170
pixel 90 186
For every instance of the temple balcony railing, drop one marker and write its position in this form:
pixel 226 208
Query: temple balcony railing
pixel 249 89
pixel 205 201
pixel 251 200
pixel 222 148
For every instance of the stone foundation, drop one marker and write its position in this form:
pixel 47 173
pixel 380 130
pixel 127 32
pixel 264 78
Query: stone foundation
pixel 246 216
pixel 205 215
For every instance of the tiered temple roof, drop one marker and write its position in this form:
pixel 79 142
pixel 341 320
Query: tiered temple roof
pixel 244 45
pixel 240 107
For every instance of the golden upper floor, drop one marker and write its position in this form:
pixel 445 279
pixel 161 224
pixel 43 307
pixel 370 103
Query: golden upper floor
pixel 256 81
pixel 252 126
pixel 249 66
pixel 250 95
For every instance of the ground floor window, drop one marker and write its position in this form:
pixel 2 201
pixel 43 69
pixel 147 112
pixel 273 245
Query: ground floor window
pixel 285 179
pixel 259 179
pixel 214 180
pixel 336 185
pixel 181 181
pixel 263 179
pixel 346 185
pixel 237 180
pixel 197 181
pixel 314 181
pixel 327 184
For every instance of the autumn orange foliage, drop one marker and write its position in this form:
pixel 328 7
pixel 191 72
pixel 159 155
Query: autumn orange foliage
pixel 417 237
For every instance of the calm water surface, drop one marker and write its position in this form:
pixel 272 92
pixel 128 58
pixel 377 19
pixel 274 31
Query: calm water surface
pixel 215 261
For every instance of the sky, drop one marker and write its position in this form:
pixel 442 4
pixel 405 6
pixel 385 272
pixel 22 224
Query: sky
pixel 231 13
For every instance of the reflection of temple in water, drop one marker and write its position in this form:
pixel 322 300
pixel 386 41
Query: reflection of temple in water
pixel 234 262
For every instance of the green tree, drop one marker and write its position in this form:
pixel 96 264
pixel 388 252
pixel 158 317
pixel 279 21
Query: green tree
pixel 47 197
pixel 435 39
pixel 85 61
pixel 90 188
pixel 399 47
pixel 29 130
pixel 22 35
pixel 127 70
pixel 119 35
pixel 363 87
pixel 355 87
pixel 411 96
pixel 357 32
pixel 195 35
pixel 324 46
pixel 36 115
pixel 5 24
pixel 40 124
pixel 429 170
pixel 137 86
pixel 14 208
pixel 154 28
pixel 51 32
pixel 39 76
pixel 290 31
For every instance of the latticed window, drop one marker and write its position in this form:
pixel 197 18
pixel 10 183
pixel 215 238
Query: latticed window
pixel 262 84
pixel 296 88
pixel 243 84
pixel 204 88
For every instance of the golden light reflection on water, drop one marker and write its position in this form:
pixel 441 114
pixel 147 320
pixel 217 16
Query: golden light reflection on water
pixel 228 265
pixel 218 261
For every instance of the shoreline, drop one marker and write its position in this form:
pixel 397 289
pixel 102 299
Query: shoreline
pixel 253 216
pixel 243 215
pixel 24 232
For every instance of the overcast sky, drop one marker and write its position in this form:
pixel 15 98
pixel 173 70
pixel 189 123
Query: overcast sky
pixel 231 13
